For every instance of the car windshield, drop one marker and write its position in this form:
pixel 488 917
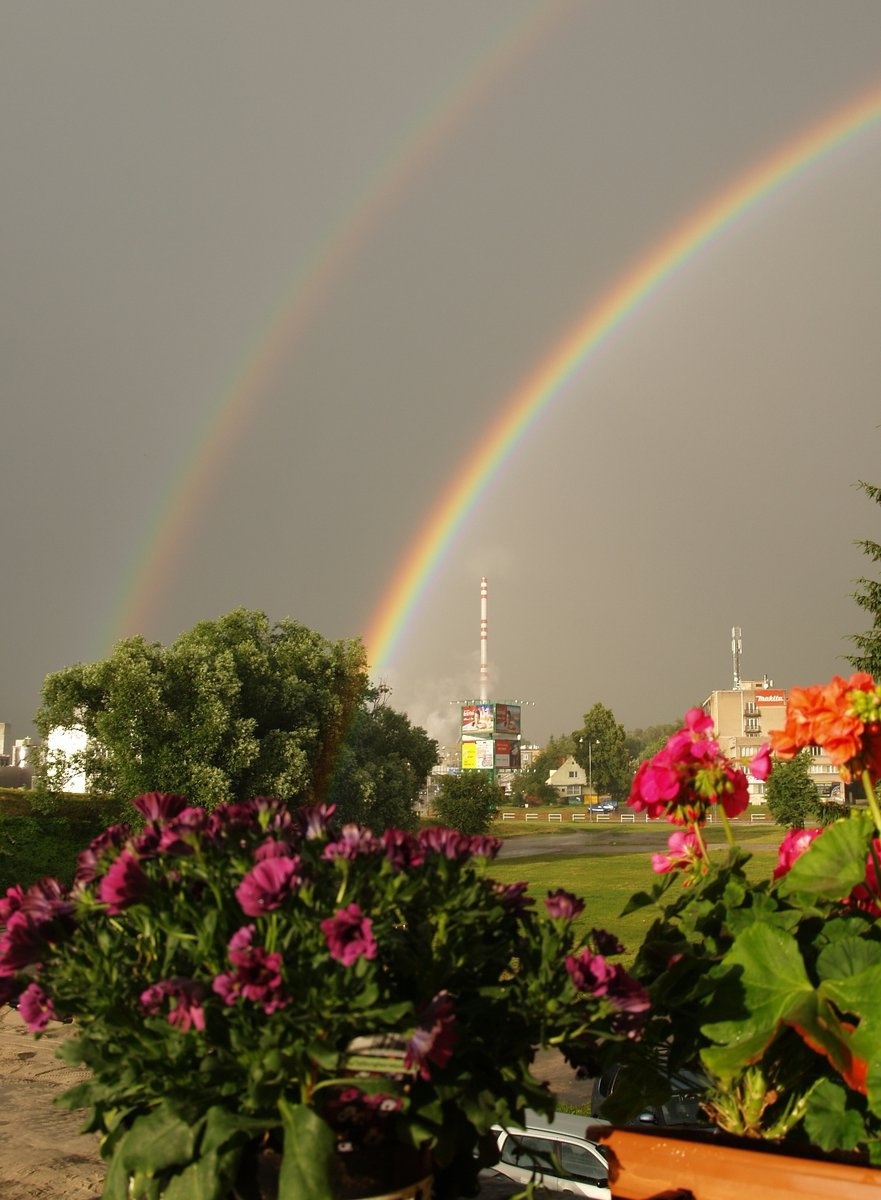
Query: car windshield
pixel 551 1157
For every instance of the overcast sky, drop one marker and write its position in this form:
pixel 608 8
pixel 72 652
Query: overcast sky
pixel 416 201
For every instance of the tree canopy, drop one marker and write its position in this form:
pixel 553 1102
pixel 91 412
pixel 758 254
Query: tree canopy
pixel 468 802
pixel 791 794
pixel 601 749
pixel 868 597
pixel 236 707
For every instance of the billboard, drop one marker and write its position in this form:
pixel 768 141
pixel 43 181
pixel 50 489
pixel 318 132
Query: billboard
pixel 508 719
pixel 477 717
pixel 477 754
pixel 507 755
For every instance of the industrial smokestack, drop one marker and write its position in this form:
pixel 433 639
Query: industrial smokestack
pixel 484 669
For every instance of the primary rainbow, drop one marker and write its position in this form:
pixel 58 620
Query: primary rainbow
pixel 419 565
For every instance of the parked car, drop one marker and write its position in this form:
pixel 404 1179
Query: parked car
pixel 557 1155
pixel 604 806
pixel 682 1110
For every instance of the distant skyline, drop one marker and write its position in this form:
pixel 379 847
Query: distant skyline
pixel 273 276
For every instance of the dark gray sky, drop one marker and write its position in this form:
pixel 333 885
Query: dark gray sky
pixel 439 190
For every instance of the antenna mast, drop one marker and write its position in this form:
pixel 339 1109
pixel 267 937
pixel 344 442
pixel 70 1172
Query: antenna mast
pixel 736 651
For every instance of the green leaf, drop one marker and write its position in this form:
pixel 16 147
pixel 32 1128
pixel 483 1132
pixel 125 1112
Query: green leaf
pixel 157 1141
pixel 308 1153
pixel 776 988
pixel 834 863
pixel 829 1123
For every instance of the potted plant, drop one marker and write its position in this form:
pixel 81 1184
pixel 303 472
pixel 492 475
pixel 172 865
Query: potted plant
pixel 767 989
pixel 269 1004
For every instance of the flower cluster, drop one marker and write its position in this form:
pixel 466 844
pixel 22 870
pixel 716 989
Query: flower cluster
pixel 766 987
pixel 843 717
pixel 257 974
pixel 689 775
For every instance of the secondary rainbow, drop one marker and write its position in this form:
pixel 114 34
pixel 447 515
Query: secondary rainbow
pixel 221 427
pixel 423 558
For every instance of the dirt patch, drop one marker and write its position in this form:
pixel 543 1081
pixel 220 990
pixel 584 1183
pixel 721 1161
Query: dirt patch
pixel 44 1156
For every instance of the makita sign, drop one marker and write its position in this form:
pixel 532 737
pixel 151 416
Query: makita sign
pixel 764 696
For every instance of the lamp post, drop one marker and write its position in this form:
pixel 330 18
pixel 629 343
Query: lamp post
pixel 590 745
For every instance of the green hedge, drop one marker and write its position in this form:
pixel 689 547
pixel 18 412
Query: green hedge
pixel 35 841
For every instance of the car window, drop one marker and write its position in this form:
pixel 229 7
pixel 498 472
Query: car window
pixel 533 1153
pixel 580 1163
pixel 550 1157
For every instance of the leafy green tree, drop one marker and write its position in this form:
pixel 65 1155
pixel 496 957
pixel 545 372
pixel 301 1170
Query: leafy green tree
pixel 381 767
pixel 868 597
pixel 235 707
pixel 468 802
pixel 645 743
pixel 531 786
pixel 791 794
pixel 601 749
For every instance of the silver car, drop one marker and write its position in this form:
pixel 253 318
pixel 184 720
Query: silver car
pixel 555 1153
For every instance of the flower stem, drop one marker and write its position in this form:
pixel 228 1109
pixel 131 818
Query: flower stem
pixel 729 832
pixel 872 799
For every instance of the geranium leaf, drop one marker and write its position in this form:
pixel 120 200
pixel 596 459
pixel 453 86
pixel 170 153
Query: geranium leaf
pixel 769 968
pixel 834 863
pixel 829 1123
pixel 308 1152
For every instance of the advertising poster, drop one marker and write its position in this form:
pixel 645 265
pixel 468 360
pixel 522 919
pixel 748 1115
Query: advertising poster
pixel 477 717
pixel 477 754
pixel 507 755
pixel 508 719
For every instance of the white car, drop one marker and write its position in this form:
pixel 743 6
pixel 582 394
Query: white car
pixel 556 1154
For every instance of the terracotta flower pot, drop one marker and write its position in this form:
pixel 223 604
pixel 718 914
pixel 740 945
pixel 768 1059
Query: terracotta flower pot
pixel 645 1166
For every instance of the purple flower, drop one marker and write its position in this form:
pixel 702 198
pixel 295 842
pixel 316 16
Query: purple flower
pixel 186 1010
pixel 590 972
pixel 180 835
pixel 349 935
pixel 314 821
pixel 402 849
pixel 159 806
pixel 562 905
pixel 272 848
pixel 447 842
pixel 124 884
pixel 89 860
pixel 11 902
pixel 36 1008
pixel 354 840
pixel 483 846
pixel 21 944
pixel 257 976
pixel 605 942
pixel 433 1039
pixel 513 895
pixel 266 886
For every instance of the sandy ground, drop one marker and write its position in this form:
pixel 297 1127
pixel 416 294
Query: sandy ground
pixel 43 1156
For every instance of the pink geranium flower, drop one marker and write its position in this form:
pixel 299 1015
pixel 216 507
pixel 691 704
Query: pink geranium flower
pixel 36 1008
pixel 685 850
pixel 793 847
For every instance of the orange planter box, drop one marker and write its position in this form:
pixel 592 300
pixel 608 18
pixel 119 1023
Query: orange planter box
pixel 644 1166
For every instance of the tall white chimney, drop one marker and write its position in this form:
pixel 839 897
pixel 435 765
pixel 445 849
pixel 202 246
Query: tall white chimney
pixel 484 668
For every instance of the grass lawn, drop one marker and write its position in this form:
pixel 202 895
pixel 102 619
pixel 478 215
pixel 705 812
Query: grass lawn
pixel 605 883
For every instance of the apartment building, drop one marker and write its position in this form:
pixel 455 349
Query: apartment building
pixel 743 718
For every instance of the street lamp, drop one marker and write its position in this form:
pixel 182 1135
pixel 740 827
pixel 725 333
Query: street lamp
pixel 590 745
